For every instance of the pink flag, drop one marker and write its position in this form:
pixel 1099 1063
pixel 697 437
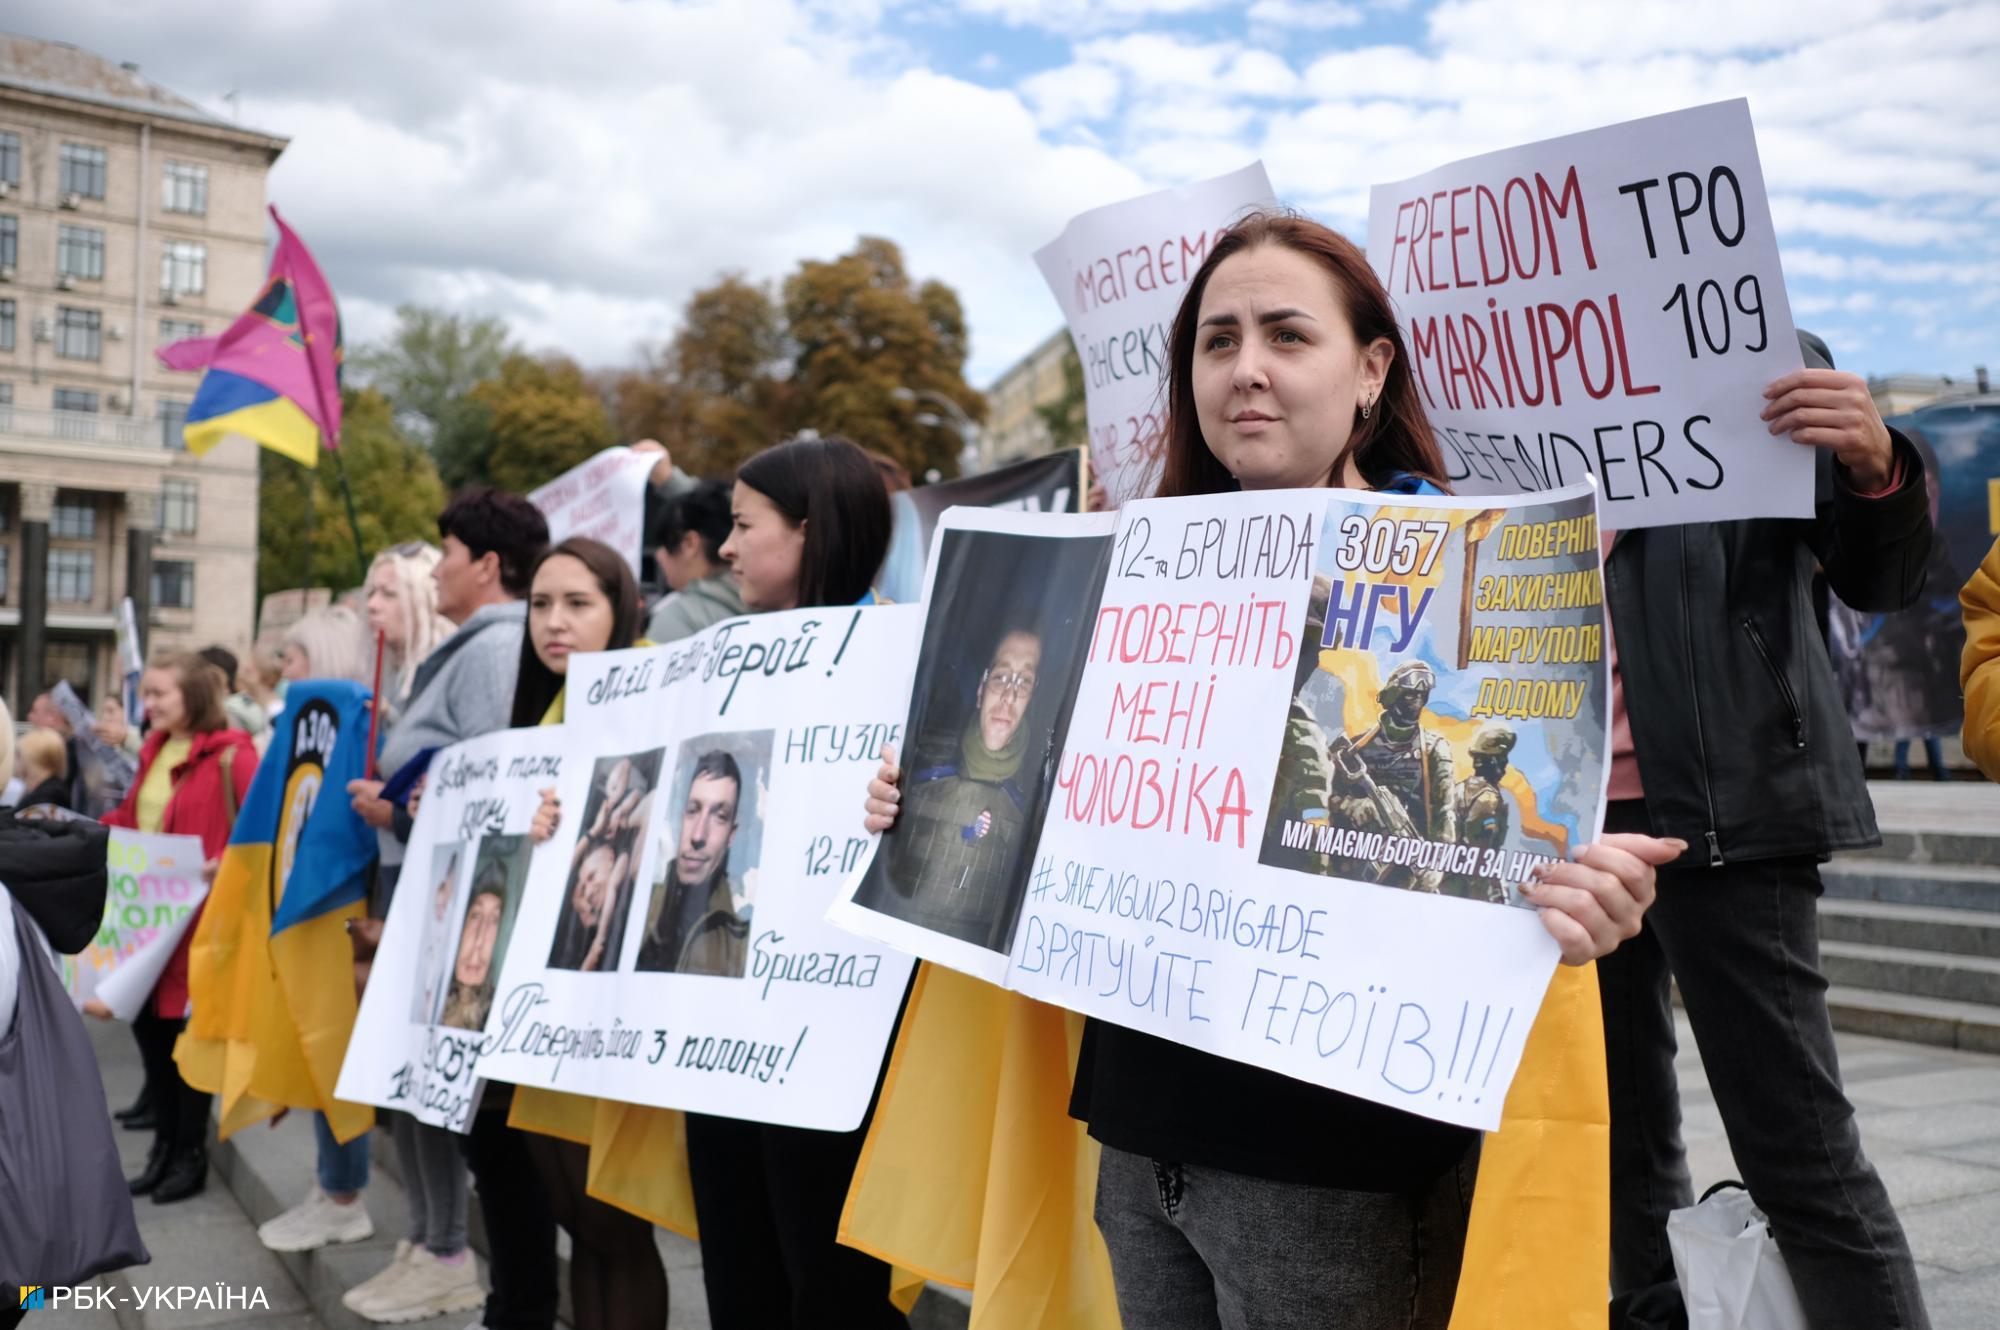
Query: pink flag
pixel 319 325
pixel 189 353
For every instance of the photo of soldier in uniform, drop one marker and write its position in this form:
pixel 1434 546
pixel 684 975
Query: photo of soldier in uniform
pixel 597 898
pixel 441 892
pixel 996 681
pixel 1479 811
pixel 698 919
pixel 499 869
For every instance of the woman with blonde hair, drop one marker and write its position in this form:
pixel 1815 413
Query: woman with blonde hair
pixel 329 643
pixel 43 762
pixel 430 1273
pixel 401 603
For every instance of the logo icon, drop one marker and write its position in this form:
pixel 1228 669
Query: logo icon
pixel 31 1297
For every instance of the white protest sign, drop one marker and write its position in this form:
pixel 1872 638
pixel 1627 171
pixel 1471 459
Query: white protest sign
pixel 418 1034
pixel 680 955
pixel 1119 272
pixel 155 885
pixel 1608 302
pixel 1295 766
pixel 604 499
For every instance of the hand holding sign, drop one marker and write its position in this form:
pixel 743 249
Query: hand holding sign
pixel 1825 408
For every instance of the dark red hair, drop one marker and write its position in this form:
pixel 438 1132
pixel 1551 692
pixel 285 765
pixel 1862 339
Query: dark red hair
pixel 1396 436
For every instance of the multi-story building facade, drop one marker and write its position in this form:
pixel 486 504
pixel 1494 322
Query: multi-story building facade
pixel 1014 425
pixel 129 218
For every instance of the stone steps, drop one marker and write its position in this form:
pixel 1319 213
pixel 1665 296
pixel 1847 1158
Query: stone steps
pixel 1913 972
pixel 1919 927
pixel 1910 929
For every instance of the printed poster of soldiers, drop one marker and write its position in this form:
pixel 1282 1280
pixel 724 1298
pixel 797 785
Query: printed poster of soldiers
pixel 1286 703
pixel 1450 702
pixel 450 931
pixel 996 681
pixel 673 947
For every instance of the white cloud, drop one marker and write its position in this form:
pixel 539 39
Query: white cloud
pixel 1303 15
pixel 582 175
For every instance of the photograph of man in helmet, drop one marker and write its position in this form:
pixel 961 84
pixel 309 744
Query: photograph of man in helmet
pixel 1479 808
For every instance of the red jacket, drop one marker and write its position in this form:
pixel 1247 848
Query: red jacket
pixel 198 806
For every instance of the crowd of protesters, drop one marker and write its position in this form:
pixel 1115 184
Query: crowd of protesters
pixel 1227 1195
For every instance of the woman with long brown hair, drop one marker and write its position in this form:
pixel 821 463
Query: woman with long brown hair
pixel 1229 1195
pixel 193 773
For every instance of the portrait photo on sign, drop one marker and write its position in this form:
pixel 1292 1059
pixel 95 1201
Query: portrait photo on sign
pixel 440 890
pixel 1449 699
pixel 492 900
pixel 697 918
pixel 1003 649
pixel 597 893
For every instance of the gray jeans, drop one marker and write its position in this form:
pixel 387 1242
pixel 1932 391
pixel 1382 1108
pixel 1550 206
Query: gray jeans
pixel 1201 1249
pixel 434 1180
pixel 1742 942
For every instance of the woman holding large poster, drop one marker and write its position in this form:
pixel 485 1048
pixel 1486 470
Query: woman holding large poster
pixel 193 774
pixel 811 524
pixel 1221 1186
pixel 582 597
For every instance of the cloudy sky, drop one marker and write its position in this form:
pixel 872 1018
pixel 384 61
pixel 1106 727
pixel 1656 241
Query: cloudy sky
pixel 579 168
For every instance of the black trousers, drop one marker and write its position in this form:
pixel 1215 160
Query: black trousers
pixel 1742 942
pixel 768 1200
pixel 520 1226
pixel 180 1111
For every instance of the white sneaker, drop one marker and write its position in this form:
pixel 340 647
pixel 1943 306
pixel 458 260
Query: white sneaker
pixel 381 1281
pixel 316 1221
pixel 427 1287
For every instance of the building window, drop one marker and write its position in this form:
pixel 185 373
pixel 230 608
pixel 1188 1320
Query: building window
pixel 74 518
pixel 77 333
pixel 10 157
pixel 6 325
pixel 80 252
pixel 178 330
pixel 185 188
pixel 72 576
pixel 184 267
pixel 173 584
pixel 179 506
pixel 5 579
pixel 82 170
pixel 72 662
pixel 174 415
pixel 76 413
pixel 10 241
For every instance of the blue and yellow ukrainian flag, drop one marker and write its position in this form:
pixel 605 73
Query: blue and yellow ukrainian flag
pixel 271 970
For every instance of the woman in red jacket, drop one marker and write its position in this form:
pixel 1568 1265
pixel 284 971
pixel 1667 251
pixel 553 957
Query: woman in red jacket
pixel 193 774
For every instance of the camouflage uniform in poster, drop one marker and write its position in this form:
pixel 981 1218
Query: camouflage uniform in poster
pixel 1479 809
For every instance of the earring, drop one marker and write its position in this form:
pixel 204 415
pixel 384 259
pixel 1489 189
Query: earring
pixel 1364 409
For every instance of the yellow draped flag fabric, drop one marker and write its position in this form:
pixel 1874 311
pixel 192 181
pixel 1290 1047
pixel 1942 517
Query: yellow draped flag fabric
pixel 975 1175
pixel 270 1017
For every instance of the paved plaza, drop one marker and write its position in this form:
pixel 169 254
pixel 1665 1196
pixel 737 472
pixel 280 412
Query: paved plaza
pixel 1930 1118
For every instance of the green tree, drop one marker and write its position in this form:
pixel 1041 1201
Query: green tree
pixel 535 420
pixel 860 331
pixel 430 361
pixel 717 392
pixel 1067 419
pixel 397 497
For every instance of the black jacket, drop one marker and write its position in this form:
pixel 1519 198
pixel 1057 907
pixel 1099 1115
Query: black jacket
pixel 56 871
pixel 1744 746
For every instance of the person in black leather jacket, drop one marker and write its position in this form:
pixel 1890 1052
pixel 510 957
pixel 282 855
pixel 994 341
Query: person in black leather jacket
pixel 1738 744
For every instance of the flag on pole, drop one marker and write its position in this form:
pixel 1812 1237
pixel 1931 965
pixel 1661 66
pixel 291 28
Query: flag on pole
pixel 274 374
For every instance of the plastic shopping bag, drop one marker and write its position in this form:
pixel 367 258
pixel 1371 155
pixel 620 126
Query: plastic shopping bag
pixel 1731 1274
